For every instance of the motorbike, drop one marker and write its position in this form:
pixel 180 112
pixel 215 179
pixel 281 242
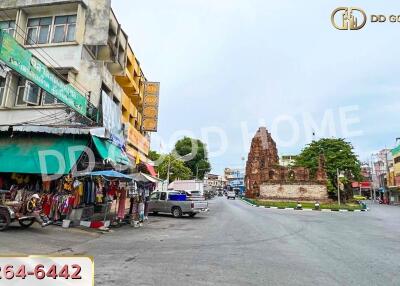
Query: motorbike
pixel 11 212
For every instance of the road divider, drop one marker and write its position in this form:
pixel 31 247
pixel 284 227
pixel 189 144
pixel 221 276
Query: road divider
pixel 303 209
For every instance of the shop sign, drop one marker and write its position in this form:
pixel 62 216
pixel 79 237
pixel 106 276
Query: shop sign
pixel 111 114
pixel 150 106
pixel 136 139
pixel 23 62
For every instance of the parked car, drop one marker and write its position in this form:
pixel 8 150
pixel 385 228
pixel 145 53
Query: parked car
pixel 231 195
pixel 177 204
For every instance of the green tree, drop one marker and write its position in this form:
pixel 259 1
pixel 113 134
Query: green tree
pixel 177 169
pixel 338 154
pixel 196 151
pixel 153 155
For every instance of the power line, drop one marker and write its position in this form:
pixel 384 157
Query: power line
pixel 50 116
pixel 26 35
pixel 55 71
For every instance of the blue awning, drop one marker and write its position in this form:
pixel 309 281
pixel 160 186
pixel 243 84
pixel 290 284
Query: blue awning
pixel 110 175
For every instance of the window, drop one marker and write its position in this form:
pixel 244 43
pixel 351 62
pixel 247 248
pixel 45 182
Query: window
pixel 29 93
pixel 8 26
pixel 163 196
pixel 64 29
pixel 32 93
pixel 20 92
pixel 155 197
pixel 48 99
pixel 39 30
pixel 2 88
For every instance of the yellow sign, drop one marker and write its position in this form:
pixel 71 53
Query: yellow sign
pixel 136 155
pixel 138 140
pixel 150 124
pixel 150 106
pixel 350 18
pixel 150 112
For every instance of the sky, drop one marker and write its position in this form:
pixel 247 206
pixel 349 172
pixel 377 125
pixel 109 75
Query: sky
pixel 229 67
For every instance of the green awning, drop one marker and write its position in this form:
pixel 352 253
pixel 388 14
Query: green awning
pixel 111 152
pixel 40 155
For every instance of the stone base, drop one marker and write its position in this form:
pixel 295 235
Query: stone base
pixel 294 192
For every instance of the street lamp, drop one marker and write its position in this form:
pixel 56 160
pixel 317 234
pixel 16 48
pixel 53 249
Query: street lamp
pixel 339 175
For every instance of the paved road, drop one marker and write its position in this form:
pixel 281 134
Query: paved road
pixel 235 244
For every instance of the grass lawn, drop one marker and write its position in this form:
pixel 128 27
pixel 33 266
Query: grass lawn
pixel 306 205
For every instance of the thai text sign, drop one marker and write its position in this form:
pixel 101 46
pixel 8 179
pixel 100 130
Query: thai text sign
pixel 150 106
pixel 22 61
pixel 138 140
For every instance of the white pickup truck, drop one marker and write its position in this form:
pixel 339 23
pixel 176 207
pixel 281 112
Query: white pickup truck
pixel 176 203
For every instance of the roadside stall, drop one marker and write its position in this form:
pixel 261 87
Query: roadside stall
pixel 146 184
pixel 108 195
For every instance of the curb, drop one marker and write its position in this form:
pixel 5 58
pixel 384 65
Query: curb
pixel 306 209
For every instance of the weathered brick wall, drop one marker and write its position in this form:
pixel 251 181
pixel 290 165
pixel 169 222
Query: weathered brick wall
pixel 302 192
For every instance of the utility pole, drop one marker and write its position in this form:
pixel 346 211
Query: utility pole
pixel 338 186
pixel 387 174
pixel 168 170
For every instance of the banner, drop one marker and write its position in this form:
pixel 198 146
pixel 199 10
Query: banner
pixel 23 62
pixel 111 115
pixel 150 106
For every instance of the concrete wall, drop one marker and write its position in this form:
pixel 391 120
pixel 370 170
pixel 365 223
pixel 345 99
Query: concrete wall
pixel 97 22
pixel 304 192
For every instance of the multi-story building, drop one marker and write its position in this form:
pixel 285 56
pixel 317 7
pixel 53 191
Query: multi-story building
pixel 235 178
pixel 394 176
pixel 82 44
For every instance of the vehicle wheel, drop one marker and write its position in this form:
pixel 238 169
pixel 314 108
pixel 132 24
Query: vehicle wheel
pixel 4 219
pixel 192 214
pixel 234 198
pixel 26 223
pixel 177 212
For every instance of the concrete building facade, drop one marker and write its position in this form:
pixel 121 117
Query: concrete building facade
pixel 84 44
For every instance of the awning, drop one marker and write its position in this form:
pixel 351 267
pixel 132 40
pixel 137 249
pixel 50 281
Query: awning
pixel 141 177
pixel 110 175
pixel 40 155
pixel 110 152
pixel 151 170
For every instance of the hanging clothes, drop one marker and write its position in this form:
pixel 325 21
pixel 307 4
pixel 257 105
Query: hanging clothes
pixel 121 205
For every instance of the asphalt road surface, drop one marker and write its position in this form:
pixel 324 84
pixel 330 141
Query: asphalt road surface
pixel 235 244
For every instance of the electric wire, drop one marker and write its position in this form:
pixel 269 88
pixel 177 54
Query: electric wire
pixel 37 47
pixel 44 58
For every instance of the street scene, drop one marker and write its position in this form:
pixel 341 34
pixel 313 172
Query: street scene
pixel 235 245
pixel 198 142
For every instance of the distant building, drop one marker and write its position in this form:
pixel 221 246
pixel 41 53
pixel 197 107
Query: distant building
pixel 287 160
pixel 394 176
pixel 235 178
pixel 214 181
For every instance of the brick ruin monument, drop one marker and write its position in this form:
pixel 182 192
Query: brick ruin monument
pixel 266 179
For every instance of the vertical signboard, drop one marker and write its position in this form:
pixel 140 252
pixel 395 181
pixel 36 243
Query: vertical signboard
pixel 23 62
pixel 150 106
pixel 111 114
